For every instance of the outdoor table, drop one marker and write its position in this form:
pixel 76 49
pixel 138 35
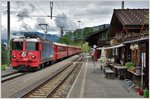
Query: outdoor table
pixel 119 70
pixel 134 73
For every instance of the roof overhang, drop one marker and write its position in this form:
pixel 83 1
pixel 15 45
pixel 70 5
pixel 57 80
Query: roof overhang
pixel 112 47
pixel 137 40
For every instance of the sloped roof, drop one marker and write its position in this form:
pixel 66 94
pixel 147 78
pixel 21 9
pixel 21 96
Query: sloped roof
pixel 97 32
pixel 132 16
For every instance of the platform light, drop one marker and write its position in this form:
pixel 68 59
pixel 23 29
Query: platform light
pixel 136 46
pixel 131 47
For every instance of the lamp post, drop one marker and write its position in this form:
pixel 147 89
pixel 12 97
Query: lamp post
pixel 79 27
pixel 79 24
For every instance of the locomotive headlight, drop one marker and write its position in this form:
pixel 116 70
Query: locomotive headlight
pixel 33 56
pixel 14 56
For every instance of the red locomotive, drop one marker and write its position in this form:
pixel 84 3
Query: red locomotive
pixel 35 53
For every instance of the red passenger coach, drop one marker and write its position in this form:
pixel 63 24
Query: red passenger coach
pixel 71 50
pixel 78 50
pixel 60 51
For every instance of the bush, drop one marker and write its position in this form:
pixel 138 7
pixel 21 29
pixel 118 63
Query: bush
pixel 3 56
pixel 3 67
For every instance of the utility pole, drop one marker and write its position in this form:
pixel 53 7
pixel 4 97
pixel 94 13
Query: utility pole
pixel 8 33
pixel 51 8
pixel 122 4
pixel 61 31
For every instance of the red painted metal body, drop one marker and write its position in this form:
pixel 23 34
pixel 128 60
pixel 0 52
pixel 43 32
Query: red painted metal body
pixel 71 50
pixel 32 58
pixel 60 51
pixel 43 53
pixel 25 58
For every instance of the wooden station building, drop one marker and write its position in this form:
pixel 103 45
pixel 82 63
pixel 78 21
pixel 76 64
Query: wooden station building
pixel 129 27
pixel 99 38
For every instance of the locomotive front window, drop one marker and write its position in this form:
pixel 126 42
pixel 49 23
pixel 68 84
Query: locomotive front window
pixel 30 46
pixel 17 45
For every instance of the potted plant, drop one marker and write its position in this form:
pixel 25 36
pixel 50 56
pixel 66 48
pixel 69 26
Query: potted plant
pixel 140 90
pixel 130 66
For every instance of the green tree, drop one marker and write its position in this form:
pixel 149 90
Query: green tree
pixel 85 47
pixel 76 37
pixel 4 55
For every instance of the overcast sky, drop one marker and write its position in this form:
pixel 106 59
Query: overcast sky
pixel 90 13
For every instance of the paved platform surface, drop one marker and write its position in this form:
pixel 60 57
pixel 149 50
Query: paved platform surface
pixel 11 87
pixel 91 83
pixel 7 71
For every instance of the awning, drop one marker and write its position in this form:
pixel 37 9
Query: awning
pixel 123 44
pixel 112 47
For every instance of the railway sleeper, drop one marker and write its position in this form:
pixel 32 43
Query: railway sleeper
pixel 37 96
pixel 43 90
pixel 46 89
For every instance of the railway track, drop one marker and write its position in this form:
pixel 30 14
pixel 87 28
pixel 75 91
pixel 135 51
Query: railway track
pixel 48 88
pixel 11 76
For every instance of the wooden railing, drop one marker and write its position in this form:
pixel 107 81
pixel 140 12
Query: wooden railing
pixel 134 36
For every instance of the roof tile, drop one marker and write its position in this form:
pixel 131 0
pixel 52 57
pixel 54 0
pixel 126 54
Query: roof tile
pixel 132 16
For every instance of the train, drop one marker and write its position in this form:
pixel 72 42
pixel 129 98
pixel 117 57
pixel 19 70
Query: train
pixel 33 53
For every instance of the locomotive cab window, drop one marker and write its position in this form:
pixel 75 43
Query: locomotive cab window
pixel 17 45
pixel 30 46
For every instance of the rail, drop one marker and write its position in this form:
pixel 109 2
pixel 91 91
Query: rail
pixel 49 87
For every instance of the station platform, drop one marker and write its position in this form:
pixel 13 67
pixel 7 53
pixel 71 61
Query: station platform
pixel 8 71
pixel 92 83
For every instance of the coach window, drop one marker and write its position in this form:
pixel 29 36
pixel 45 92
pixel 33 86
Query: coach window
pixel 30 46
pixel 17 45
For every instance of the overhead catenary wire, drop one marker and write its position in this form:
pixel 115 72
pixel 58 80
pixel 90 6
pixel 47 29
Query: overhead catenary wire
pixel 41 8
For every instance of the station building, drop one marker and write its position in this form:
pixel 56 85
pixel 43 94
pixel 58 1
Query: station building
pixel 129 29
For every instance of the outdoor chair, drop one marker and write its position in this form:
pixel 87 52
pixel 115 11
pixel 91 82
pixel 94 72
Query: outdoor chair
pixel 109 73
pixel 121 73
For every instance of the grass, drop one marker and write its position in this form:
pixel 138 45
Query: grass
pixel 3 67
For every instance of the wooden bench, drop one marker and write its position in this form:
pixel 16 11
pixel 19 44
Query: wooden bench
pixel 109 73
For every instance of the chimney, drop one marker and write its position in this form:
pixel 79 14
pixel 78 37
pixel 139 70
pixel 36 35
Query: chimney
pixel 122 4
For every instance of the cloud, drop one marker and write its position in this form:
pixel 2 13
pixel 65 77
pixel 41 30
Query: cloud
pixel 3 33
pixel 23 14
pixel 43 21
pixel 25 11
pixel 90 13
pixel 26 27
pixel 65 21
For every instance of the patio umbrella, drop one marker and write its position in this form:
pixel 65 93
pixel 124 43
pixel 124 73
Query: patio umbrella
pixel 103 57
